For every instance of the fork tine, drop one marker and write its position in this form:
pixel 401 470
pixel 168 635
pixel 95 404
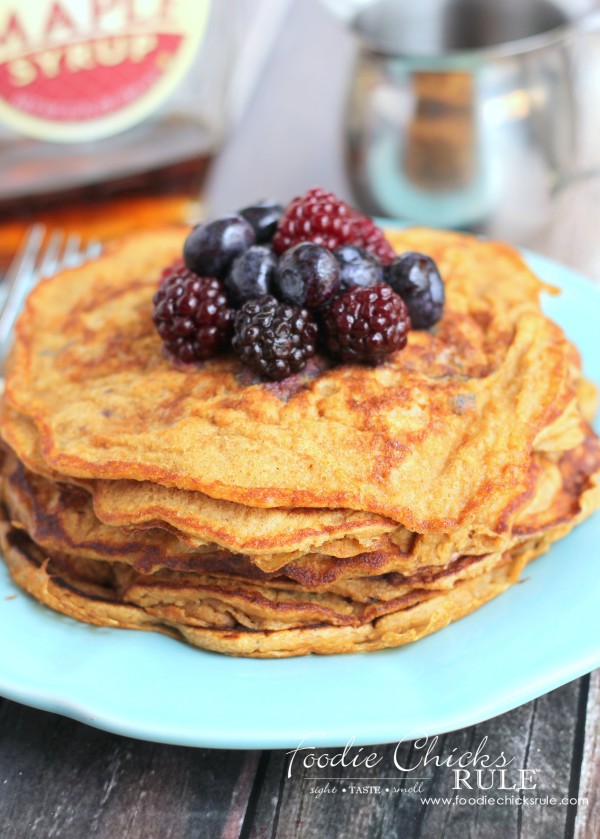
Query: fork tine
pixel 72 256
pixel 50 260
pixel 30 265
pixel 20 277
pixel 26 254
pixel 94 249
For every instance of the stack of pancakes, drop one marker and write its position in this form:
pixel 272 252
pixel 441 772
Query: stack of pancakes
pixel 347 508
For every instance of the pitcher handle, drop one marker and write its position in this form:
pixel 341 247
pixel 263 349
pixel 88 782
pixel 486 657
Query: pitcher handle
pixel 583 54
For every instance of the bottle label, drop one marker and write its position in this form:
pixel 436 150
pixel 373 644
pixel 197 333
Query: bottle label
pixel 73 70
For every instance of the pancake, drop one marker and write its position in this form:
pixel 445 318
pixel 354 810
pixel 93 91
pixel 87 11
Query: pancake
pixel 61 518
pixel 200 521
pixel 206 520
pixel 239 619
pixel 424 439
pixel 348 508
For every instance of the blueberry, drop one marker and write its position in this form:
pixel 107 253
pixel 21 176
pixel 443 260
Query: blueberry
pixel 415 277
pixel 308 275
pixel 358 267
pixel 211 247
pixel 251 274
pixel 264 217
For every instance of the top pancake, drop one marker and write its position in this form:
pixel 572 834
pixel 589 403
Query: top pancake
pixel 426 438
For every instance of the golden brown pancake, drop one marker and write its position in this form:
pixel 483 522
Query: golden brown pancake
pixel 274 537
pixel 61 519
pixel 348 508
pixel 424 439
pixel 239 619
pixel 206 520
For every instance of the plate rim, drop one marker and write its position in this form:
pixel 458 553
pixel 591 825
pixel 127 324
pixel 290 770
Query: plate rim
pixel 96 713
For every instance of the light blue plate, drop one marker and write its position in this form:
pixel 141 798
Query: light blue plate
pixel 535 637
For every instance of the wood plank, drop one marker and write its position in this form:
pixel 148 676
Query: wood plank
pixel 587 820
pixel 60 778
pixel 540 735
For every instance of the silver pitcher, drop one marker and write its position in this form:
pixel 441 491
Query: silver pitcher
pixel 463 113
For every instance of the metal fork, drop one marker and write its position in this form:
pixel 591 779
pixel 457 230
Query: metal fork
pixel 33 261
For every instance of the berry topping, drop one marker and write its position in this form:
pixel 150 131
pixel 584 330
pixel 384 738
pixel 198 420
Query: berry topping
pixel 211 248
pixel 173 268
pixel 417 280
pixel 251 274
pixel 367 324
pixel 274 339
pixel 358 267
pixel 264 217
pixel 308 275
pixel 321 217
pixel 192 315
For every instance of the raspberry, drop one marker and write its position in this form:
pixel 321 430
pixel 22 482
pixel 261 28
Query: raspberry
pixel 367 324
pixel 322 218
pixel 371 238
pixel 274 339
pixel 192 315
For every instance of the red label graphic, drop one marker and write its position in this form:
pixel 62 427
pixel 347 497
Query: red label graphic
pixel 93 67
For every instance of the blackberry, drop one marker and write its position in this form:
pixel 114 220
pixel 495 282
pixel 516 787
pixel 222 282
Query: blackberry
pixel 308 275
pixel 251 274
pixel 211 248
pixel 274 339
pixel 366 324
pixel 358 267
pixel 415 277
pixel 192 315
pixel 264 217
pixel 177 265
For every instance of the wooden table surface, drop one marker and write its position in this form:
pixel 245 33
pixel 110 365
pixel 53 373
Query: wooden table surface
pixel 60 778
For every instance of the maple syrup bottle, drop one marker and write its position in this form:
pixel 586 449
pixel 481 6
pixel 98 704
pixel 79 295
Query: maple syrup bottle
pixel 110 111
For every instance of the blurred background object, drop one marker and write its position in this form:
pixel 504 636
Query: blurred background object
pixel 464 113
pixel 279 99
pixel 111 111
